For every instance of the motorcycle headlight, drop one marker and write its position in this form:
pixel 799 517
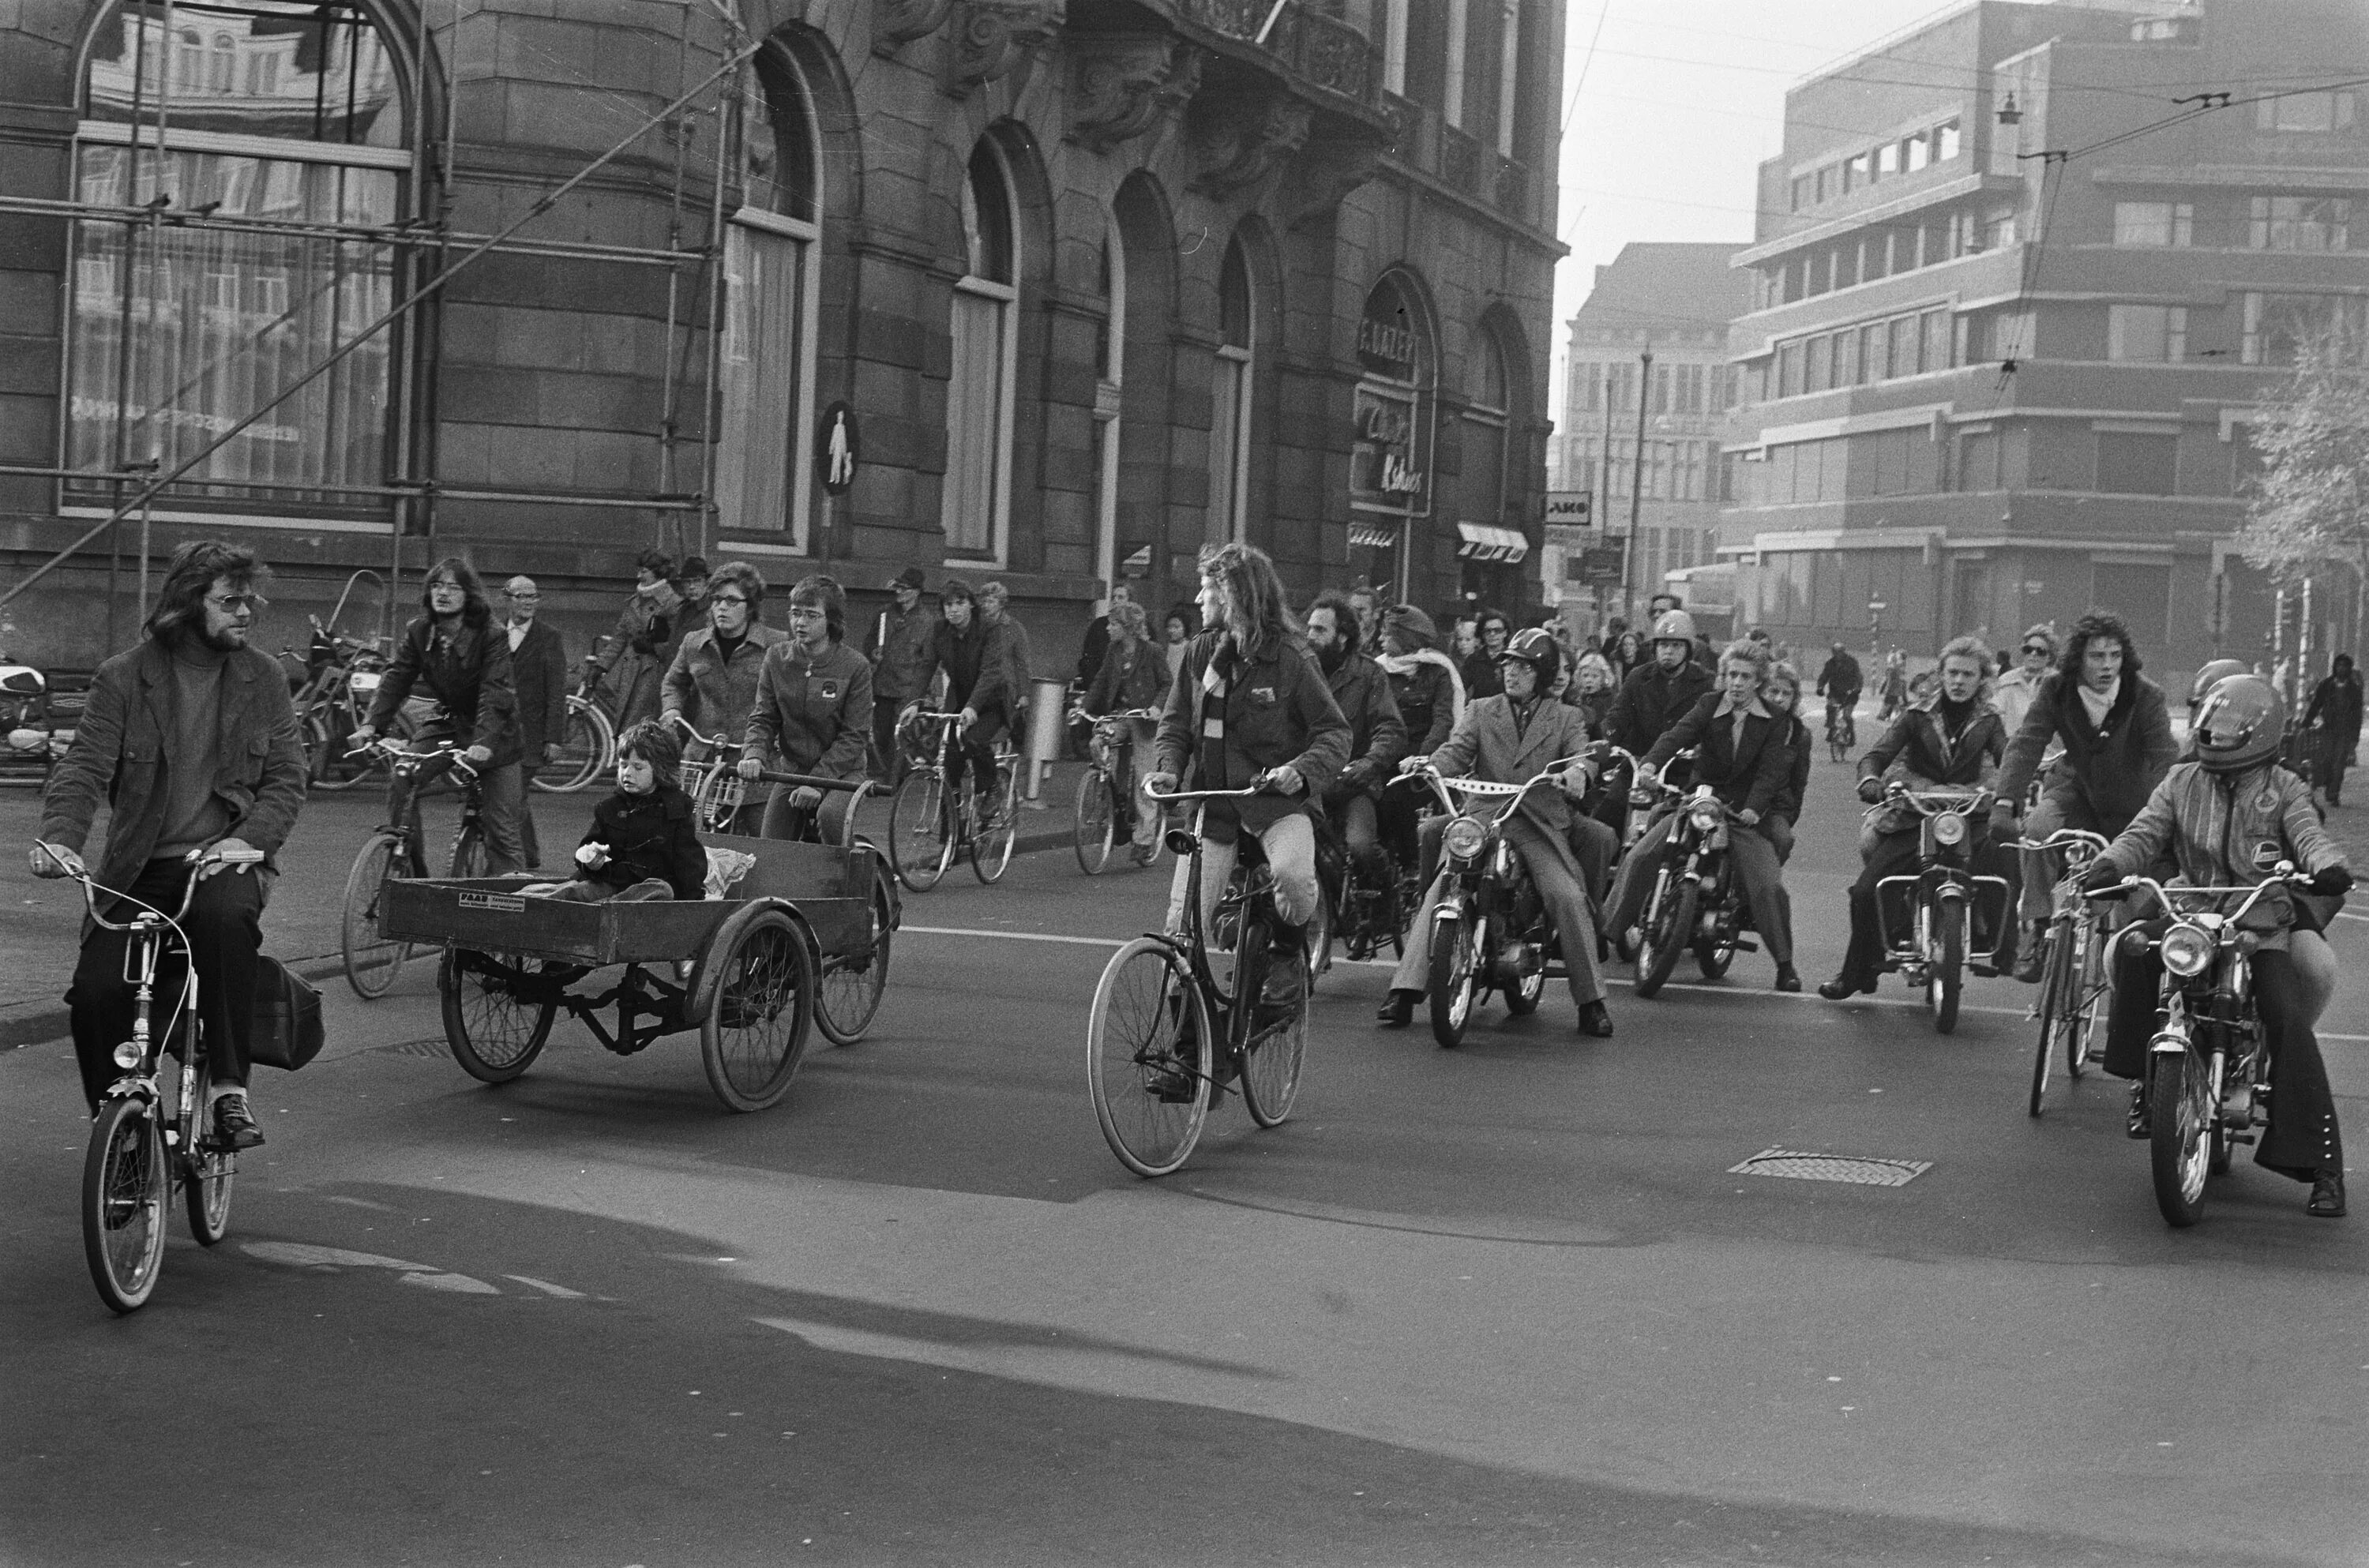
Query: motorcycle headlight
pixel 1463 838
pixel 1705 818
pixel 2186 951
pixel 1950 829
pixel 363 682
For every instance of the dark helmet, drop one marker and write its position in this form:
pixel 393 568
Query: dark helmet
pixel 2238 726
pixel 2211 675
pixel 1537 649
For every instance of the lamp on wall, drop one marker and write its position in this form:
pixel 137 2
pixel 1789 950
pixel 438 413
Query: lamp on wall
pixel 2008 114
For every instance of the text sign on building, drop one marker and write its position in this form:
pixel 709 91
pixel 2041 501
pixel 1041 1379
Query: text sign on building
pixel 1603 566
pixel 1572 509
pixel 1382 457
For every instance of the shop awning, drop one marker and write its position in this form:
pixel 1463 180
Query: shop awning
pixel 1485 542
pixel 1372 537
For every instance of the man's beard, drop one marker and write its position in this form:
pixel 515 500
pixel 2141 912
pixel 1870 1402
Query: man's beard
pixel 230 639
pixel 1333 655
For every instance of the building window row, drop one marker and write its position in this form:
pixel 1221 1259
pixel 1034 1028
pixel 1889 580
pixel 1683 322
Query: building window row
pixel 1881 251
pixel 1907 155
pixel 1675 388
pixel 1675 469
pixel 2325 112
pixel 2059 456
pixel 1861 355
pixel 2309 224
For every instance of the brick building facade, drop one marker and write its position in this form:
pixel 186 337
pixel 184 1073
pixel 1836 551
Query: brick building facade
pixel 1094 283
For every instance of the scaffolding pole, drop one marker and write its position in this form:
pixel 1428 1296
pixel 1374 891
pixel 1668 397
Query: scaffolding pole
pixel 732 64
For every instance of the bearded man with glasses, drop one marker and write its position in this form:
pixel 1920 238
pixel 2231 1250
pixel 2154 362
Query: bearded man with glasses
pixel 191 739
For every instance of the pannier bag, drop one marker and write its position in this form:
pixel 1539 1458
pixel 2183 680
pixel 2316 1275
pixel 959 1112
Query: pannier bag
pixel 287 1032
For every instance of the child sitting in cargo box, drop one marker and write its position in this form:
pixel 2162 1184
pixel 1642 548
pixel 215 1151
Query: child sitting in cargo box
pixel 643 842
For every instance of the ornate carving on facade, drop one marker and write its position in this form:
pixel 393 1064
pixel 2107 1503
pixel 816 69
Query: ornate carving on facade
pixel 1327 170
pixel 1124 85
pixel 993 36
pixel 1242 141
pixel 895 23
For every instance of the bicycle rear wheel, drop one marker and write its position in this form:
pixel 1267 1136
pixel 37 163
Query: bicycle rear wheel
pixel 585 751
pixel 125 1185
pixel 853 983
pixel 373 962
pixel 1094 819
pixel 469 854
pixel 1271 1064
pixel 1148 1057
pixel 497 1018
pixel 990 850
pixel 754 996
pixel 920 830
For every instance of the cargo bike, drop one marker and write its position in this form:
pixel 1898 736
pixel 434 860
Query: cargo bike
pixel 801 938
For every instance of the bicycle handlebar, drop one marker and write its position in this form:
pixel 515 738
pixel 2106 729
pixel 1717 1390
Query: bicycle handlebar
pixel 65 861
pixel 1933 801
pixel 396 751
pixel 718 740
pixel 2066 839
pixel 810 781
pixel 1443 783
pixel 2286 876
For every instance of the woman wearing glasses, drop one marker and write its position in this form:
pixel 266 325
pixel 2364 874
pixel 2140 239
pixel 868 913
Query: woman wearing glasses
pixel 712 684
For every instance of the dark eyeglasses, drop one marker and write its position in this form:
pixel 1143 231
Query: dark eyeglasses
pixel 2036 649
pixel 522 598
pixel 238 603
pixel 726 599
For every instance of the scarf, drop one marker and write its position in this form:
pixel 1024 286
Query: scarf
pixel 1404 664
pixel 2098 705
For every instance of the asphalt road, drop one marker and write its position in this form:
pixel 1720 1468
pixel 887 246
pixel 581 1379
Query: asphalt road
pixel 1504 1305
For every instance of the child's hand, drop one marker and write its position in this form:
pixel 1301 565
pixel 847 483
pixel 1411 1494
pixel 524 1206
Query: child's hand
pixel 592 857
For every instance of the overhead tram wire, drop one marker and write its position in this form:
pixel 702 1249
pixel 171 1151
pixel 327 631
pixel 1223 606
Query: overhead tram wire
pixel 542 204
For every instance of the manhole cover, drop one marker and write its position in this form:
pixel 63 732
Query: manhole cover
pixel 435 1046
pixel 1809 1167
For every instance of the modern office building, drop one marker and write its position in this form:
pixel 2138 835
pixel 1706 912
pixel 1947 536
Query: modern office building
pixel 1051 292
pixel 2018 287
pixel 1672 303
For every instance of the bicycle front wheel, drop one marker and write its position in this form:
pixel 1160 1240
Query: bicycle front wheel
pixel 990 851
pixel 920 830
pixel 496 1016
pixel 585 751
pixel 2055 1010
pixel 1094 821
pixel 1148 1057
pixel 210 1171
pixel 853 983
pixel 373 962
pixel 125 1185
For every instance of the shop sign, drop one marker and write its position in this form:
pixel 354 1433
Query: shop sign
pixel 1383 458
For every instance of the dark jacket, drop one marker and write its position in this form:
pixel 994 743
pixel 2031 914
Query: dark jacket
pixel 1652 700
pixel 1096 648
pixel 648 835
pixel 1796 787
pixel 468 673
pixel 1129 678
pixel 1377 737
pixel 1745 778
pixel 539 677
pixel 1426 698
pixel 976 667
pixel 899 646
pixel 1917 750
pixel 1839 680
pixel 1274 710
pixel 119 755
pixel 815 714
pixel 1482 676
pixel 1498 744
pixel 2109 770
pixel 2337 703
pixel 715 693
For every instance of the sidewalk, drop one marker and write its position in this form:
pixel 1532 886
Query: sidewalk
pixel 40 921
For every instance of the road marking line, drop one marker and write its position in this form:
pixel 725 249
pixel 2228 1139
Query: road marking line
pixel 1695 988
pixel 547 1288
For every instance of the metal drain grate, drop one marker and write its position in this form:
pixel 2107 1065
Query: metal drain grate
pixel 1809 1167
pixel 435 1046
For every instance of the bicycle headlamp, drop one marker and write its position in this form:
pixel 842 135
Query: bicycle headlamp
pixel 363 682
pixel 1705 818
pixel 1463 838
pixel 2186 951
pixel 1950 829
pixel 127 1054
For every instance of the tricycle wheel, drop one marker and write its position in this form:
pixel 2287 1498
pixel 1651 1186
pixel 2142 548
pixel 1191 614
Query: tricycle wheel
pixel 496 1015
pixel 852 982
pixel 754 1002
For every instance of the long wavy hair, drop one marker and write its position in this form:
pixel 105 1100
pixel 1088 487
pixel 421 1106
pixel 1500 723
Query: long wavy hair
pixel 2097 623
pixel 191 572
pixel 475 610
pixel 819 591
pixel 1969 647
pixel 1262 621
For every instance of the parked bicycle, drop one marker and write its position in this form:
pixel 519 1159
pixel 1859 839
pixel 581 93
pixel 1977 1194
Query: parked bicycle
pixel 395 850
pixel 588 749
pixel 1167 1004
pixel 1106 802
pixel 930 823
pixel 2076 966
pixel 150 1140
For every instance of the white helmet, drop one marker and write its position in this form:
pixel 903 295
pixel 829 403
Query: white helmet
pixel 1674 626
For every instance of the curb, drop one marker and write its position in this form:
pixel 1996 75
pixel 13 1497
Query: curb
pixel 38 1022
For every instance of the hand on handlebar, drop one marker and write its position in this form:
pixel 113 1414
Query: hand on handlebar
pixel 53 860
pixel 1871 790
pixel 2103 881
pixel 361 735
pixel 1416 764
pixel 1158 784
pixel 2333 882
pixel 751 766
pixel 1283 779
pixel 226 855
pixel 479 755
pixel 2003 819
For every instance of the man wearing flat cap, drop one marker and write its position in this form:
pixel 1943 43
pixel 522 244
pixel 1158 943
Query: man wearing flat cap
pixel 899 646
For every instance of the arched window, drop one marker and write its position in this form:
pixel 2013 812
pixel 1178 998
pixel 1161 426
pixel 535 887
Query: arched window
pixel 772 253
pixel 175 336
pixel 1390 464
pixel 975 507
pixel 1230 400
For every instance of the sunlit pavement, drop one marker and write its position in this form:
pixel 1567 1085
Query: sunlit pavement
pixel 1505 1304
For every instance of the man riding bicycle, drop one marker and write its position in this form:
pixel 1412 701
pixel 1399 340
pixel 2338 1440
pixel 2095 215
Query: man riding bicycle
pixel 813 706
pixel 464 659
pixel 1377 735
pixel 1953 739
pixel 1840 682
pixel 2226 817
pixel 2116 732
pixel 1132 678
pixel 718 668
pixel 191 740
pixel 976 667
pixel 1249 709
pixel 1508 738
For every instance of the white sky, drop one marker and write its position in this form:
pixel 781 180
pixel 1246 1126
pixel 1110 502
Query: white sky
pixel 1681 102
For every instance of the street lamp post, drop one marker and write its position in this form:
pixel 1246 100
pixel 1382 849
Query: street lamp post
pixel 1636 483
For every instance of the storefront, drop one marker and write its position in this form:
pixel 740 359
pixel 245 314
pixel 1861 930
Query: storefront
pixel 1389 464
